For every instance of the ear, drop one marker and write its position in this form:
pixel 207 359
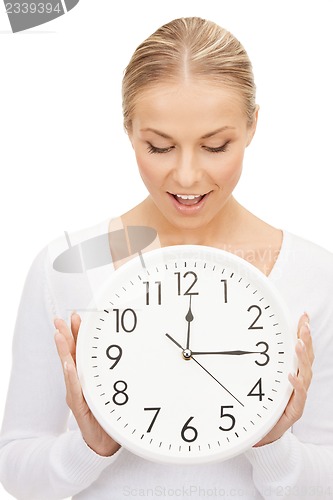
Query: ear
pixel 253 126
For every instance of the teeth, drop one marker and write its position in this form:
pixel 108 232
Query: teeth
pixel 188 196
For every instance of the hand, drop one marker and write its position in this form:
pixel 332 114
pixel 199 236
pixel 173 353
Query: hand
pixel 300 382
pixel 93 434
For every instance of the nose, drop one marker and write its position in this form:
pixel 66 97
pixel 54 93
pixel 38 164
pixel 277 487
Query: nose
pixel 187 171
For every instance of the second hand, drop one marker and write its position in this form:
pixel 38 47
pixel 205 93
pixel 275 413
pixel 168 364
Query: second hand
pixel 178 345
pixel 217 380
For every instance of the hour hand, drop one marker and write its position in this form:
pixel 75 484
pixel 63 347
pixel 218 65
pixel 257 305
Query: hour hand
pixel 189 317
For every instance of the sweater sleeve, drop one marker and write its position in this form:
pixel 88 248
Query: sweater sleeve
pixel 289 468
pixel 39 457
pixel 300 463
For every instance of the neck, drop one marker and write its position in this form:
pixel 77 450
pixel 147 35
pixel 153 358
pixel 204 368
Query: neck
pixel 233 229
pixel 224 227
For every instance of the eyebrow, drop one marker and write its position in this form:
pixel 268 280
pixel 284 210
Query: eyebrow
pixel 210 134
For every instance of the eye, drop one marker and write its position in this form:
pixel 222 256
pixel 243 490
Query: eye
pixel 152 149
pixel 220 149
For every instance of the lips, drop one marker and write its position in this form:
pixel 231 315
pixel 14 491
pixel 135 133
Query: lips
pixel 188 206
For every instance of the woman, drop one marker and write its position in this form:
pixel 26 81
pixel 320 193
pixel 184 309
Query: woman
pixel 190 112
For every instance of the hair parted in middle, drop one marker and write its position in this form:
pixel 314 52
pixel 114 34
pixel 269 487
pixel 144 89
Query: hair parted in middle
pixel 189 49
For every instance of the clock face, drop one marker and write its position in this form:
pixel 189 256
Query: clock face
pixel 186 357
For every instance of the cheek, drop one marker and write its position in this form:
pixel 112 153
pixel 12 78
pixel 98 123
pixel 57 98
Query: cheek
pixel 231 169
pixel 151 167
pixel 147 168
pixel 143 164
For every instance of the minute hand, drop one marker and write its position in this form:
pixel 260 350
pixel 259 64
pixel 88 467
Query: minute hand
pixel 230 353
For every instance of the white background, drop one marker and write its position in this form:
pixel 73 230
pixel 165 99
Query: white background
pixel 66 162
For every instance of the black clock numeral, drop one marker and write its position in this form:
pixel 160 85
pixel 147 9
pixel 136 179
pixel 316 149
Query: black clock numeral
pixel 195 279
pixel 120 320
pixel 263 353
pixel 120 397
pixel 232 420
pixel 116 357
pixel 189 428
pixel 154 418
pixel 225 291
pixel 259 394
pixel 252 326
pixel 159 295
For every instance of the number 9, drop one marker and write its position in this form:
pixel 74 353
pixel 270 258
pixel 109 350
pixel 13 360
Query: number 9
pixel 115 358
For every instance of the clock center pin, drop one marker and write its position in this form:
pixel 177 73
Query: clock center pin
pixel 187 353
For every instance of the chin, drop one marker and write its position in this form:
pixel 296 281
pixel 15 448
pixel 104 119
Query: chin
pixel 178 222
pixel 188 224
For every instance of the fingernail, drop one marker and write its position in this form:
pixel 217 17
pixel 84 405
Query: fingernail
pixel 307 315
pixel 65 366
pixel 307 325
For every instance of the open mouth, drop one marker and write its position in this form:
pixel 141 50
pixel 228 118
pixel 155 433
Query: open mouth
pixel 188 200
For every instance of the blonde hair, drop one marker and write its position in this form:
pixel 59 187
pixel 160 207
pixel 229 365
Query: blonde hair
pixel 189 48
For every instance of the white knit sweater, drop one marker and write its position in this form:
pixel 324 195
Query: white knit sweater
pixel 43 455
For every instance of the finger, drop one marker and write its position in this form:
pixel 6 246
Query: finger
pixel 75 397
pixel 305 335
pixel 297 402
pixel 65 357
pixel 302 320
pixel 304 364
pixel 62 327
pixel 75 325
pixel 304 332
pixel 63 348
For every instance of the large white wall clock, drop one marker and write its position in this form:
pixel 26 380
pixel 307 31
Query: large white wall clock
pixel 186 358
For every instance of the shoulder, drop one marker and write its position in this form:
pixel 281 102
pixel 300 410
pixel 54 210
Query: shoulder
pixel 304 275
pixel 72 250
pixel 305 256
pixel 301 243
pixel 304 263
pixel 64 253
pixel 73 265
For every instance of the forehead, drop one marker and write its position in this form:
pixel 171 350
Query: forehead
pixel 198 106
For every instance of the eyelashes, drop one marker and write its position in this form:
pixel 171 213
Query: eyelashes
pixel 154 150
pixel 220 149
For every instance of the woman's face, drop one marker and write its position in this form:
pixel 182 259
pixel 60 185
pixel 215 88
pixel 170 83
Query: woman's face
pixel 189 140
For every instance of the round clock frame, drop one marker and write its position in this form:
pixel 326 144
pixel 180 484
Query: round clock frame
pixel 184 355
